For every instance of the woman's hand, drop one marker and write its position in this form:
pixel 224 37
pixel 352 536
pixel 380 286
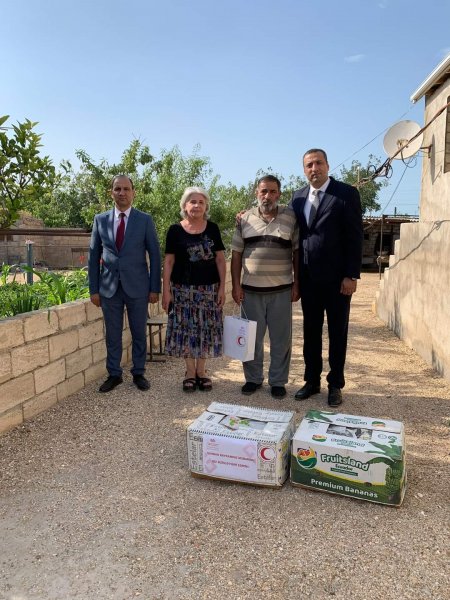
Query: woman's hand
pixel 221 296
pixel 167 299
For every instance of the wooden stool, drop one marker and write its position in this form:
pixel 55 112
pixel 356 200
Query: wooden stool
pixel 159 322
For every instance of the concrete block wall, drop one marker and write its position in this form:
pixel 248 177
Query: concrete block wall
pixel 47 355
pixel 413 299
pixel 57 252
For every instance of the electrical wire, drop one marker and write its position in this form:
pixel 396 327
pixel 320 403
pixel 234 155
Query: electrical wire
pixel 372 140
pixel 396 188
pixel 385 169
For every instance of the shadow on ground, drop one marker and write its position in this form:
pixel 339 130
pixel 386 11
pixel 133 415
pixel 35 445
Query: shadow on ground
pixel 97 502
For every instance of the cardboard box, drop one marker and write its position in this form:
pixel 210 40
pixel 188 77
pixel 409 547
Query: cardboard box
pixel 241 443
pixel 361 457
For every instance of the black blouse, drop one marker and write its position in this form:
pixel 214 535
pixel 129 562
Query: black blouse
pixel 195 254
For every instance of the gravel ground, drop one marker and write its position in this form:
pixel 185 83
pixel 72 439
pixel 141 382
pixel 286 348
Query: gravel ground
pixel 97 502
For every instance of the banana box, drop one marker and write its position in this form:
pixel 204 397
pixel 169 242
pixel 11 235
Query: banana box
pixel 241 443
pixel 351 455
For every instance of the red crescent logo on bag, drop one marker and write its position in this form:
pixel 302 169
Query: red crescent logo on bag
pixel 241 340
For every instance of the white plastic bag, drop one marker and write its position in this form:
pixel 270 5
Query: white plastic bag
pixel 239 336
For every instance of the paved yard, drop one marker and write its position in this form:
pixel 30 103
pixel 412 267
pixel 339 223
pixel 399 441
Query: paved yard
pixel 96 501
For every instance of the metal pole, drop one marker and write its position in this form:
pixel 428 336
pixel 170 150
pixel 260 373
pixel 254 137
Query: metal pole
pixel 30 261
pixel 380 255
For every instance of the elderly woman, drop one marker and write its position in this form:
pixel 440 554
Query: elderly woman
pixel 194 289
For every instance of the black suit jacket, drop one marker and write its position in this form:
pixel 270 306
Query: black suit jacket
pixel 334 243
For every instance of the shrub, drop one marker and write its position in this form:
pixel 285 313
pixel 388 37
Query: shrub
pixel 52 289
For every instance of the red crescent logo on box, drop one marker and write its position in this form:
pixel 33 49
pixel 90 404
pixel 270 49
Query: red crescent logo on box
pixel 267 453
pixel 241 340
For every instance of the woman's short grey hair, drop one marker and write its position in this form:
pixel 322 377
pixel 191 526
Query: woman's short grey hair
pixel 185 199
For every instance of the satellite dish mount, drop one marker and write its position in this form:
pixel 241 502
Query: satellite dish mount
pixel 403 140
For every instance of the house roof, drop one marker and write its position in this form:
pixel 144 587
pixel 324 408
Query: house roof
pixel 434 80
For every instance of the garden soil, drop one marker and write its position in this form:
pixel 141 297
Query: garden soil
pixel 96 500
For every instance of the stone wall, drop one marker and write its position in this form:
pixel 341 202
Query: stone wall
pixel 47 355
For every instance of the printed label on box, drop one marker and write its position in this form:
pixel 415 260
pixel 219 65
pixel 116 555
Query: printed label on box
pixel 230 458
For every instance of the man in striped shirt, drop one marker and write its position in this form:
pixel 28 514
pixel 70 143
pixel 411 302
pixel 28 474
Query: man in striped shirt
pixel 265 254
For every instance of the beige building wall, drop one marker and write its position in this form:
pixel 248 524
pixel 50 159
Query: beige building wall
pixel 435 191
pixel 414 294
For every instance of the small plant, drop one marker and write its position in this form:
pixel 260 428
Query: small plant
pixel 24 300
pixel 63 288
pixel 50 290
pixel 6 271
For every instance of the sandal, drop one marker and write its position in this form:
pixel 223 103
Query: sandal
pixel 189 384
pixel 204 384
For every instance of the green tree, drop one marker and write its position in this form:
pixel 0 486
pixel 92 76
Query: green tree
pixel 370 189
pixel 94 180
pixel 25 176
pixel 159 184
pixel 164 181
pixel 226 201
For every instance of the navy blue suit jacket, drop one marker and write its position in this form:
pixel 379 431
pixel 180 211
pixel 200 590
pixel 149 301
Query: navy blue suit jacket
pixel 334 242
pixel 107 265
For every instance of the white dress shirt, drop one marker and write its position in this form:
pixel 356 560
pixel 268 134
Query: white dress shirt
pixel 117 214
pixel 311 198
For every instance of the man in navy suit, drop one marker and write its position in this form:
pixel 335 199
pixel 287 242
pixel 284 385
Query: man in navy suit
pixel 331 236
pixel 119 277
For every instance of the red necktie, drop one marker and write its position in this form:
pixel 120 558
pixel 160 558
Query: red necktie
pixel 120 232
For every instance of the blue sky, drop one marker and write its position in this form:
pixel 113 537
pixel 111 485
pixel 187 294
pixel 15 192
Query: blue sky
pixel 254 82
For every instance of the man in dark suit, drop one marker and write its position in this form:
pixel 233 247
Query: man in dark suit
pixel 331 236
pixel 119 277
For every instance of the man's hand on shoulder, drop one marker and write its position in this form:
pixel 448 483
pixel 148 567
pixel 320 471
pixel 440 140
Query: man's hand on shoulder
pixel 153 297
pixel 95 299
pixel 239 217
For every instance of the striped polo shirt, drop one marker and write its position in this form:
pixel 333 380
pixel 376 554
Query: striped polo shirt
pixel 266 249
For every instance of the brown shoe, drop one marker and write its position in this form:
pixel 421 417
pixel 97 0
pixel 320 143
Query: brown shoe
pixel 189 384
pixel 204 384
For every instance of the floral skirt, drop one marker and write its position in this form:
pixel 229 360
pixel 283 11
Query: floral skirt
pixel 194 325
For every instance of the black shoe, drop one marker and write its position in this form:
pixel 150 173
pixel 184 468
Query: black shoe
pixel 334 396
pixel 278 391
pixel 141 382
pixel 306 391
pixel 250 388
pixel 112 382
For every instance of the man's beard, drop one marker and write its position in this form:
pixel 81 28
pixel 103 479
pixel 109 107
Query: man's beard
pixel 267 208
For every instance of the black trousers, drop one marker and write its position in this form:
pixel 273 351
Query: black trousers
pixel 317 300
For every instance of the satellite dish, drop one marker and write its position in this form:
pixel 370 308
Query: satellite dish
pixel 398 136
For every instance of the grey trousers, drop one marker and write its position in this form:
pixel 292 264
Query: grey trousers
pixel 273 311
